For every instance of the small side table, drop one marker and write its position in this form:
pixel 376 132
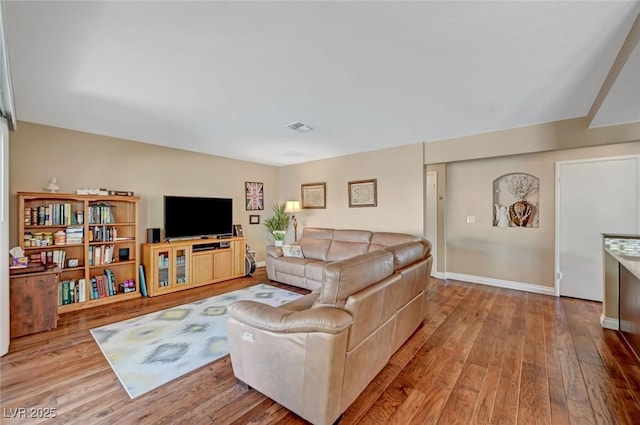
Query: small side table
pixel 34 302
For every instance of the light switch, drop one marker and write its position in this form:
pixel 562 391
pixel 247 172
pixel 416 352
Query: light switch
pixel 471 219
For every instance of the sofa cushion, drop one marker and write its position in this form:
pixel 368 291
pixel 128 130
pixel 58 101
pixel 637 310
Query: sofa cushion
pixel 292 265
pixel 345 277
pixel 315 242
pixel 348 243
pixel 380 240
pixel 315 270
pixel 292 251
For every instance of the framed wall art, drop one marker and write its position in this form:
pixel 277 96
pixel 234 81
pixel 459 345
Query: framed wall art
pixel 314 195
pixel 363 193
pixel 254 219
pixel 254 196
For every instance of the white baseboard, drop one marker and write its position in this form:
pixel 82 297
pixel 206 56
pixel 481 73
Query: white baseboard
pixel 439 275
pixel 609 322
pixel 508 284
pixel 261 264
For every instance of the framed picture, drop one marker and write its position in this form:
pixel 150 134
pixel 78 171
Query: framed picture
pixel 254 219
pixel 237 230
pixel 314 195
pixel 254 196
pixel 363 193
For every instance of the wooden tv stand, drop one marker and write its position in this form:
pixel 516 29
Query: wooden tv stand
pixel 184 264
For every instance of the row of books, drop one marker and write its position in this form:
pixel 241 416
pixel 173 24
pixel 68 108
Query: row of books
pixel 102 234
pixel 74 235
pixel 103 191
pixel 74 290
pixel 50 215
pixel 103 285
pixel 56 256
pixel 101 213
pixel 163 260
pixel 101 254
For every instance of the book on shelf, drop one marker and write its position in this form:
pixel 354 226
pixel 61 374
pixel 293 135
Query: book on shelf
pixel 91 191
pixel 111 282
pixel 101 289
pixel 73 291
pixel 143 281
pixel 94 288
pixel 120 192
pixel 74 235
pixel 82 291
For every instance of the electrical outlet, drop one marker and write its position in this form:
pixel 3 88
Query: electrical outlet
pixel 471 219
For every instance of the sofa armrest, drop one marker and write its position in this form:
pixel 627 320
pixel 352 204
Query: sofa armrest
pixel 275 251
pixel 275 319
pixel 407 253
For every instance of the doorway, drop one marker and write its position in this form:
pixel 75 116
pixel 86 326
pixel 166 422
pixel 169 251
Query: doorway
pixel 432 217
pixel 593 196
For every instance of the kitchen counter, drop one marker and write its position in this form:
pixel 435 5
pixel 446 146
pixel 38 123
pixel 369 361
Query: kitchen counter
pixel 617 249
pixel 621 307
pixel 631 263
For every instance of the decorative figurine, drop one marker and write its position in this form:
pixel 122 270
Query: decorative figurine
pixel 52 186
pixel 502 216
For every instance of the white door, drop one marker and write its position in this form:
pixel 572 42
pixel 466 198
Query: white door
pixel 432 217
pixel 593 197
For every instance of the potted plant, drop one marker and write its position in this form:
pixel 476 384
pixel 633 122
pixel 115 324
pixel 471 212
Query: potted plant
pixel 278 223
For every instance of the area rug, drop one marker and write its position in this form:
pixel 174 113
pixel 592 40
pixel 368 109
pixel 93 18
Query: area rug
pixel 148 351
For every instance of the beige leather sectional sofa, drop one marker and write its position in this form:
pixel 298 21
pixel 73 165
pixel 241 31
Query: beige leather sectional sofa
pixel 320 246
pixel 315 355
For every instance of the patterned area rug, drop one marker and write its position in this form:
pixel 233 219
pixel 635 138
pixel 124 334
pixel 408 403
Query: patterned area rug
pixel 148 351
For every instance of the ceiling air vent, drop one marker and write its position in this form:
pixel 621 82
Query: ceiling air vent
pixel 298 126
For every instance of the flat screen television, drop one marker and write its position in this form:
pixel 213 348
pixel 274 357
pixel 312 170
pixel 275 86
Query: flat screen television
pixel 195 217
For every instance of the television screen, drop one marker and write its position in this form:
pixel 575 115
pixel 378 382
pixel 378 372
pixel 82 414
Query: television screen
pixel 190 216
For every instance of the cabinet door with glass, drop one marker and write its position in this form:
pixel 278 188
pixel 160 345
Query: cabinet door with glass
pixel 182 266
pixel 171 269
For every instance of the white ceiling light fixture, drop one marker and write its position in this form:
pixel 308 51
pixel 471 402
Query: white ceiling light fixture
pixel 298 126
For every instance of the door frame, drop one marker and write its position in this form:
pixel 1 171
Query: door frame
pixel 559 164
pixel 434 243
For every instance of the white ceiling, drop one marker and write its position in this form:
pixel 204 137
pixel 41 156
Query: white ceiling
pixel 224 78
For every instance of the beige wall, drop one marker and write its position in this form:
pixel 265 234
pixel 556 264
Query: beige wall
pixel 512 254
pixel 80 160
pixel 400 175
pixel 523 255
pixel 567 134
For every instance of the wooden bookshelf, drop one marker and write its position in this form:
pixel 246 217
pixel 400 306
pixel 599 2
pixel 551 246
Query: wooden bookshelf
pixel 95 229
pixel 183 264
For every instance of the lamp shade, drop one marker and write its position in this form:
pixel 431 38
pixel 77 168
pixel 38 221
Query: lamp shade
pixel 292 207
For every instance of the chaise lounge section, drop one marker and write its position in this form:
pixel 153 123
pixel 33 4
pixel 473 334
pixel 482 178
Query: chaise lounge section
pixel 321 246
pixel 315 355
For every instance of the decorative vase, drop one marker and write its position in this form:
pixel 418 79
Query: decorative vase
pixel 521 212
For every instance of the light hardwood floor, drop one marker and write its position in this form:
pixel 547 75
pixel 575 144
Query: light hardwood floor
pixel 483 356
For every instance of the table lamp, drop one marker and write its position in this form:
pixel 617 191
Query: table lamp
pixel 293 207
